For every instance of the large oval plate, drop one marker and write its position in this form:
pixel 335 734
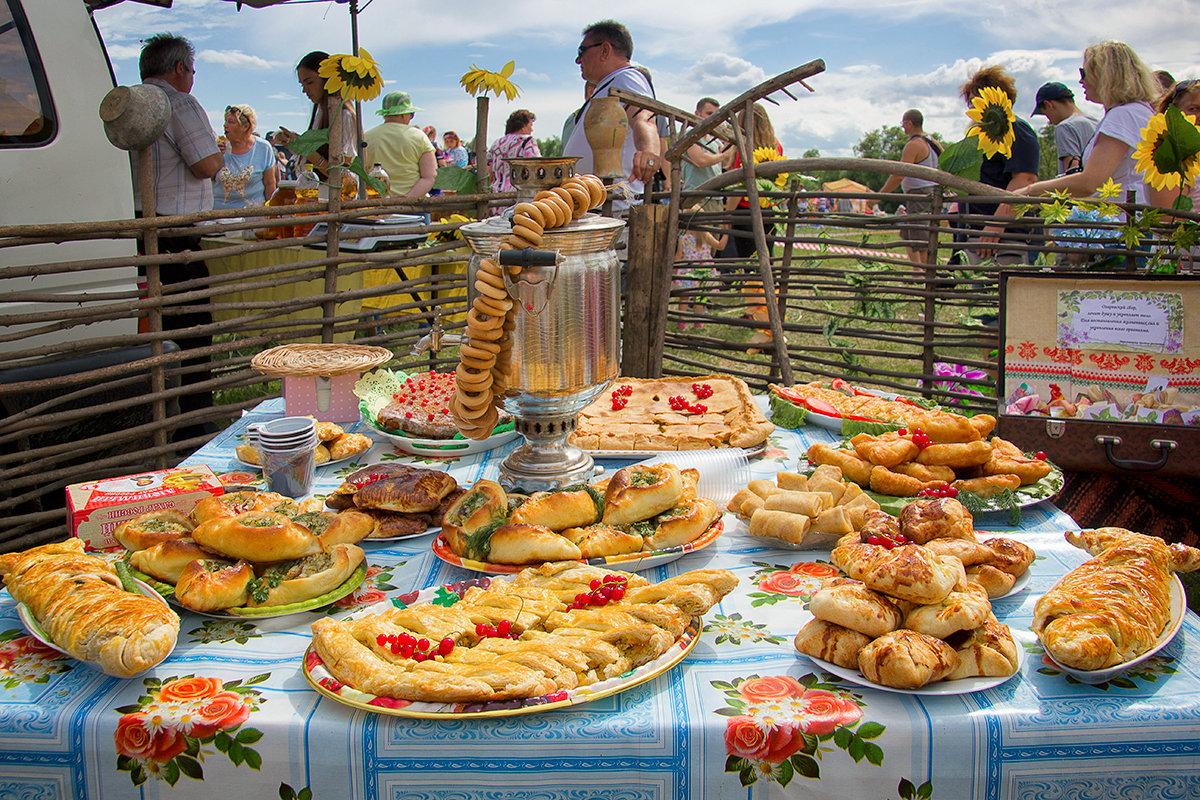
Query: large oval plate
pixel 936 689
pixel 36 630
pixel 1178 611
pixel 444 448
pixel 632 562
pixel 324 683
pixel 404 538
pixel 267 612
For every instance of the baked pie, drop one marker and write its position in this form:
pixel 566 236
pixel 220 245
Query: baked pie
pixel 556 627
pixel 640 508
pixel 672 414
pixel 399 499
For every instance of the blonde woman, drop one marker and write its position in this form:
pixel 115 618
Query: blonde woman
pixel 248 176
pixel 1115 77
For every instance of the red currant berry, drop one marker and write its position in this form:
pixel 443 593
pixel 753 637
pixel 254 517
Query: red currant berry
pixel 419 656
pixel 504 627
pixel 595 584
pixel 616 593
pixel 481 629
pixel 422 644
pixel 381 640
pixel 873 539
pixel 600 601
pixel 1040 455
pixel 445 646
pixel 903 431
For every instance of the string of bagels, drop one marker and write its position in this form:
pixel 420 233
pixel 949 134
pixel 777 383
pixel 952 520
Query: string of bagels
pixel 484 359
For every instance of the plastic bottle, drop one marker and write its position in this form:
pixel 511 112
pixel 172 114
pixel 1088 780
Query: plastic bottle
pixel 308 190
pixel 380 174
pixel 349 185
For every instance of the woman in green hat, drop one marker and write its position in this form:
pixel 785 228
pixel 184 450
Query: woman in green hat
pixel 404 151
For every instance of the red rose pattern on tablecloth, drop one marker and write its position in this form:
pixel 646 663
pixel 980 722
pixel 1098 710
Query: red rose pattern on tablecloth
pixel 23 659
pixel 777 723
pixel 778 583
pixel 164 734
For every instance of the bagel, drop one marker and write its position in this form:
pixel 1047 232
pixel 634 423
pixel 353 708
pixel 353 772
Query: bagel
pixel 531 211
pixel 477 380
pixel 489 347
pixel 497 308
pixel 549 212
pixel 478 321
pixel 598 191
pixel 487 289
pixel 559 207
pixel 527 233
pixel 526 221
pixel 581 199
pixel 256 536
pixel 466 413
pixel 489 267
pixel 495 279
pixel 478 353
pixel 520 242
pixel 477 363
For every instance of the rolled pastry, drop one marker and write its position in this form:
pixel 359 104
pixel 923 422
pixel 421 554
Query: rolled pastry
pixel 810 504
pixel 792 481
pixel 782 525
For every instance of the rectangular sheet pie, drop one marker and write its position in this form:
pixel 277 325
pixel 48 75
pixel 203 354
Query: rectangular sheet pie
pixel 647 422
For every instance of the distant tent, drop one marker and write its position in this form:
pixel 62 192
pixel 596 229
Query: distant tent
pixel 856 205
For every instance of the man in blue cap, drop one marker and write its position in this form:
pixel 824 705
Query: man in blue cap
pixel 403 151
pixel 1072 128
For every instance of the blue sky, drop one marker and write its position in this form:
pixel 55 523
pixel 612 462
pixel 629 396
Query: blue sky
pixel 882 56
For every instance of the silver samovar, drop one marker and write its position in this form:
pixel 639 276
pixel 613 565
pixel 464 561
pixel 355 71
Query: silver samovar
pixel 565 344
pixel 531 175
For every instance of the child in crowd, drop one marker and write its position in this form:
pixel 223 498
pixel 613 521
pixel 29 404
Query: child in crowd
pixel 696 250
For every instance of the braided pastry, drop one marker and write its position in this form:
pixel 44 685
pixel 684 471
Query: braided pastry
pixel 482 374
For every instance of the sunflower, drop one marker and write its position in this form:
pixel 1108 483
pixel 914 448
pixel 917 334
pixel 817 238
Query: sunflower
pixel 352 77
pixel 1168 156
pixel 762 154
pixel 993 115
pixel 477 80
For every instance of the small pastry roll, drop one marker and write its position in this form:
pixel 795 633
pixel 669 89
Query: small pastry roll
pixel 829 472
pixel 958 454
pixel 763 488
pixel 529 544
pixel 989 486
pixel 792 481
pixel 853 490
pixel 559 510
pixel 329 431
pixel 166 561
pixel 893 484
pixel 780 525
pixel 595 541
pixel 834 520
pixel 810 504
pixel 750 505
pixel 735 502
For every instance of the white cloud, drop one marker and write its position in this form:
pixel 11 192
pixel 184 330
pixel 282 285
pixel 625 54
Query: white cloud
pixel 529 75
pixel 283 96
pixel 235 59
pixel 122 52
pixel 721 72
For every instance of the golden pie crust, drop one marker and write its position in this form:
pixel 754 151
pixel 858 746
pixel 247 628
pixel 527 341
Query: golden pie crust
pixel 647 421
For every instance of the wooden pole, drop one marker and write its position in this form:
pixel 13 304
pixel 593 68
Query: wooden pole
pixel 647 293
pixel 929 315
pixel 765 276
pixel 158 380
pixel 334 227
pixel 483 176
pixel 789 248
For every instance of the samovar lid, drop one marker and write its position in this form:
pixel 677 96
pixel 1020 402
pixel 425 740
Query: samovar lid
pixel 591 233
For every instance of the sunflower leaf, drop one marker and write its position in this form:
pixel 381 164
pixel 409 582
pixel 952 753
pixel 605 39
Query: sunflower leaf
pixel 507 69
pixel 962 158
pixel 1184 135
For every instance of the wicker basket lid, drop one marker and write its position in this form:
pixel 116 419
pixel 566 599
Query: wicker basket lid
pixel 299 360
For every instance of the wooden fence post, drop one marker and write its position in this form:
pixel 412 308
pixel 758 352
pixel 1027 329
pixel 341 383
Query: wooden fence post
pixel 158 378
pixel 333 229
pixel 929 315
pixel 483 177
pixel 646 290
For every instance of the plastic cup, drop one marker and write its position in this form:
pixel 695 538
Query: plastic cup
pixel 288 446
pixel 722 472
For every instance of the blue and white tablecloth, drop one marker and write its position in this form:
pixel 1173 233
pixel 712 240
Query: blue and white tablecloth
pixel 230 715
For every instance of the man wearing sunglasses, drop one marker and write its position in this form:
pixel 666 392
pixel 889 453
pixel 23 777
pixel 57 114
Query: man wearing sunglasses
pixel 604 59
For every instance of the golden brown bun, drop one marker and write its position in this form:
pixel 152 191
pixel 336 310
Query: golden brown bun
pixel 557 510
pixel 306 578
pixel 924 473
pixel 329 431
pixel 79 602
pixel 886 450
pixel 530 544
pixel 256 536
pixel 482 506
pixel 968 551
pixel 993 581
pixel 989 485
pixel 248 454
pixel 321 454
pixel 154 528
pixel 906 659
pixel 830 642
pixel 214 585
pixel 683 523
pixel 880 523
pixel 850 604
pixel 415 492
pixel 908 572
pixel 350 444
pixel 595 541
pixel 929 518
pixel 854 468
pixel 234 503
pixel 958 611
pixel 639 492
pixel 346 527
pixel 1009 555
pixel 989 651
pixel 894 484
pixel 166 561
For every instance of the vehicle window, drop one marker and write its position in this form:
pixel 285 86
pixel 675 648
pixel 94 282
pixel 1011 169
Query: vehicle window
pixel 26 113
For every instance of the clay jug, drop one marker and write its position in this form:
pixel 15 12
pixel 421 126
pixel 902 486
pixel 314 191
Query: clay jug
pixel 606 127
pixel 135 116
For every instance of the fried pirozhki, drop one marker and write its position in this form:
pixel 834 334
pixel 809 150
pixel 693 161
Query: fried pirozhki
pixel 955 455
pixel 886 450
pixel 925 472
pixel 884 481
pixel 989 486
pixel 853 467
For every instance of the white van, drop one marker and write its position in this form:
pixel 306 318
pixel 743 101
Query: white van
pixel 56 165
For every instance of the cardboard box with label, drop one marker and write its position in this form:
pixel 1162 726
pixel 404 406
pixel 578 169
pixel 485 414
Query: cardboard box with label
pixel 96 508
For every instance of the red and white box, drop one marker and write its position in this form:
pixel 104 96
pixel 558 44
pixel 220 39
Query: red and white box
pixel 96 508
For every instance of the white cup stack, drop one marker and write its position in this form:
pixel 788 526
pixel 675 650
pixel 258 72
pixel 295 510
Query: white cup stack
pixel 287 446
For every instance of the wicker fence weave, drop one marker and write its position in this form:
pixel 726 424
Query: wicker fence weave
pixel 300 360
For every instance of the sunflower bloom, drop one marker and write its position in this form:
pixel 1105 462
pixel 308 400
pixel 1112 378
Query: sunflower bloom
pixel 762 154
pixel 476 80
pixel 1162 157
pixel 991 110
pixel 352 77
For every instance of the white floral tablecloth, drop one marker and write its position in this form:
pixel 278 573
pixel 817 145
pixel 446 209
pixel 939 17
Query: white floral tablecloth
pixel 229 714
